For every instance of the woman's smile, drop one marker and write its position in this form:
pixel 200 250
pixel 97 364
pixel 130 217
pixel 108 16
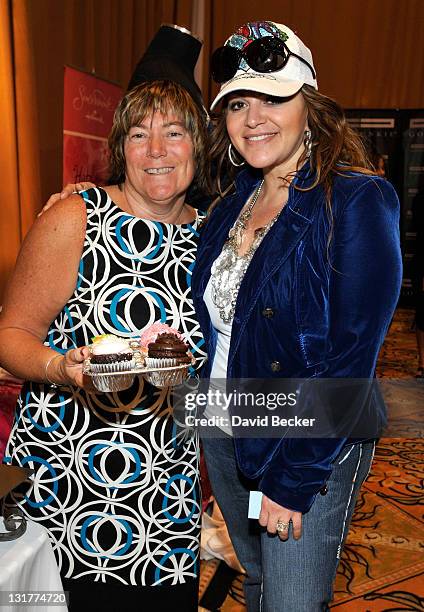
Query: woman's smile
pixel 254 138
pixel 159 171
pixel 268 132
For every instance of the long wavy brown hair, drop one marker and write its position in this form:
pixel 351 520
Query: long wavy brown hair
pixel 336 148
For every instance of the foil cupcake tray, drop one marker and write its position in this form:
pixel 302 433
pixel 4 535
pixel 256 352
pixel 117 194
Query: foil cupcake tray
pixel 160 377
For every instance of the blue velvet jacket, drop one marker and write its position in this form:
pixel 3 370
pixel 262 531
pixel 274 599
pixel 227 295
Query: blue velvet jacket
pixel 331 308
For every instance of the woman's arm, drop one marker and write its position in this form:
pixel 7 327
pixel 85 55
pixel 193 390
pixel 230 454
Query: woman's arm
pixel 44 278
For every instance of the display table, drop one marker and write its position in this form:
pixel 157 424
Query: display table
pixel 28 565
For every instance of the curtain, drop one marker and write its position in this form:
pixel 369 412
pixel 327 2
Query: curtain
pixel 368 53
pixel 9 228
pixel 19 158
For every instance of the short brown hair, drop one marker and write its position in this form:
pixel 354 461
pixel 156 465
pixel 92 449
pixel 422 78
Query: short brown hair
pixel 163 97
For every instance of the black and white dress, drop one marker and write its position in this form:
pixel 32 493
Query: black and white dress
pixel 115 486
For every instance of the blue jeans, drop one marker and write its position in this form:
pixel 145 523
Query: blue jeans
pixel 291 576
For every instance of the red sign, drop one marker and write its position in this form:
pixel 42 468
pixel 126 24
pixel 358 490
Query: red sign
pixel 89 104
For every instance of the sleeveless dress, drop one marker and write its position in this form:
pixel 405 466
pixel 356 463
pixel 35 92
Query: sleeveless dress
pixel 115 484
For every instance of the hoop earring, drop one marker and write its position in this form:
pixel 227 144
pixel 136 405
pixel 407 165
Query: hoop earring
pixel 307 142
pixel 231 158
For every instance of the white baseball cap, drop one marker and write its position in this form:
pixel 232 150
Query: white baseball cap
pixel 282 64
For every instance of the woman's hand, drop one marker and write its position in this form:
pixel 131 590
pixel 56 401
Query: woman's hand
pixel 67 369
pixel 272 513
pixel 68 190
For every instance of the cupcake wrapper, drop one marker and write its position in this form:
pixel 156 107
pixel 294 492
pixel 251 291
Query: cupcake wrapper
pixel 166 378
pixel 108 368
pixel 160 363
pixel 109 384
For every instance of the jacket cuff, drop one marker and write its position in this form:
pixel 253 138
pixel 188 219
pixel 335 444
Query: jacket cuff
pixel 298 471
pixel 271 486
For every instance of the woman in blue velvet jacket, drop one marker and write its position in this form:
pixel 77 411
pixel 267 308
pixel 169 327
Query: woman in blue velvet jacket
pixel 297 275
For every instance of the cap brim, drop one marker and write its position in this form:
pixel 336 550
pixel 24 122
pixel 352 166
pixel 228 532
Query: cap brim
pixel 265 84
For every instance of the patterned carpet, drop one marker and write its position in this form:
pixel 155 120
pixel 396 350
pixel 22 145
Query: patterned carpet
pixel 382 566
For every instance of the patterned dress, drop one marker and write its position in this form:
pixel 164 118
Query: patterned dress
pixel 115 484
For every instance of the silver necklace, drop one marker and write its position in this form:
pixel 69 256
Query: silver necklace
pixel 229 268
pixel 235 235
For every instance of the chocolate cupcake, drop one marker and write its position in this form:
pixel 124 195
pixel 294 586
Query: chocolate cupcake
pixel 164 346
pixel 169 346
pixel 150 334
pixel 167 356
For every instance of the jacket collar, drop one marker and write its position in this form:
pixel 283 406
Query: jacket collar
pixel 277 246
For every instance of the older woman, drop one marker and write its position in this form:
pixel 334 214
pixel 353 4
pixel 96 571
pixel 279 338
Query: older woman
pixel 298 274
pixel 115 488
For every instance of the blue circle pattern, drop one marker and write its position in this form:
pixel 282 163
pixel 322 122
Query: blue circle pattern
pixel 135 429
pixel 53 473
pixel 166 500
pixel 100 447
pixel 87 545
pixel 59 420
pixel 173 553
pixel 113 306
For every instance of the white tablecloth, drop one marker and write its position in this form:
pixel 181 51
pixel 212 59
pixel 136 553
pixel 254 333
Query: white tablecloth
pixel 28 564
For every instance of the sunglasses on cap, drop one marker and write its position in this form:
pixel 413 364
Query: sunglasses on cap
pixel 267 54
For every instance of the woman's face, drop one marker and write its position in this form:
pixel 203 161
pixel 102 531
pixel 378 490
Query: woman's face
pixel 159 158
pixel 267 132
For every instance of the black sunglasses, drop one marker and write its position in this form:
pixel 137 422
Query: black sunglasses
pixel 267 54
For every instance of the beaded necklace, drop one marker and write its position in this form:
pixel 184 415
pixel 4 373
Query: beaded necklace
pixel 229 268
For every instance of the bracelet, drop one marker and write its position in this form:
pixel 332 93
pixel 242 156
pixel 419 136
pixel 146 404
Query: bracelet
pixel 46 375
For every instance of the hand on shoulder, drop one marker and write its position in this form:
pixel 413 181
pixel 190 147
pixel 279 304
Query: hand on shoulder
pixel 66 192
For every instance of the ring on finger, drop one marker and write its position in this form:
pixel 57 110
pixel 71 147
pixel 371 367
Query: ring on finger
pixel 282 526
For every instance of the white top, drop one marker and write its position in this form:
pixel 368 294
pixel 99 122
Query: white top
pixel 218 373
pixel 220 362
